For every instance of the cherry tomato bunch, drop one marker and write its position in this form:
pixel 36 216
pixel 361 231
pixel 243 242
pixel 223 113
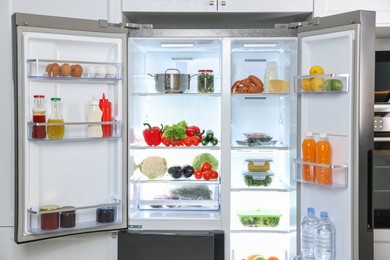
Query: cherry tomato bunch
pixel 187 141
pixel 206 172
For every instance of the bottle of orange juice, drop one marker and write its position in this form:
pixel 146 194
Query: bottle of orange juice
pixel 308 155
pixel 323 156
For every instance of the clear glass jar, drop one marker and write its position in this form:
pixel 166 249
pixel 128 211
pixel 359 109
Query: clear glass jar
pixel 49 221
pixel 39 116
pixel 205 81
pixel 56 130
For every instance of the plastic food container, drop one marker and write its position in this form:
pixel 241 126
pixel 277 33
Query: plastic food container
pixel 68 217
pixel 205 81
pixel 258 165
pixel 50 221
pixel 259 218
pixel 257 178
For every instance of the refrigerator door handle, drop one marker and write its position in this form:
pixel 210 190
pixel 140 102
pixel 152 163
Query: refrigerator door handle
pixel 369 191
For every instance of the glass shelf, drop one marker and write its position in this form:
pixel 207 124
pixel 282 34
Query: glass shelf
pixel 339 174
pixel 322 84
pixel 74 131
pixel 90 71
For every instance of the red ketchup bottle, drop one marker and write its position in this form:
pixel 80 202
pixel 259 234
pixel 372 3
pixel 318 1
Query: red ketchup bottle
pixel 39 116
pixel 105 107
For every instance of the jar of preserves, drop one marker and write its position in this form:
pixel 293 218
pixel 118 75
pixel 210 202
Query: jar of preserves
pixel 49 221
pixel 205 81
pixel 39 116
pixel 57 129
pixel 105 215
pixel 68 217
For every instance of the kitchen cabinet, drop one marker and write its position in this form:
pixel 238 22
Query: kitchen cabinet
pixel 232 6
pixel 329 7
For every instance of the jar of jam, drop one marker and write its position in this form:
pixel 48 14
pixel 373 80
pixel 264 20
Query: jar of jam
pixel 68 217
pixel 49 221
pixel 105 215
pixel 205 81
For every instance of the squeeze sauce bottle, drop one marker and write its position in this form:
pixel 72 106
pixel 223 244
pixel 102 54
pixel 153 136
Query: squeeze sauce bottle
pixel 308 155
pixel 105 107
pixel 323 156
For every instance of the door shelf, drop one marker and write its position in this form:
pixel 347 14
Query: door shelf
pixel 321 83
pixel 85 217
pixel 87 71
pixel 339 174
pixel 73 131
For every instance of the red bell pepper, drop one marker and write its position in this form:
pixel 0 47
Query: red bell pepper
pixel 152 135
pixel 193 130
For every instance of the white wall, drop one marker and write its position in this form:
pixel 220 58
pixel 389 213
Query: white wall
pixel 98 246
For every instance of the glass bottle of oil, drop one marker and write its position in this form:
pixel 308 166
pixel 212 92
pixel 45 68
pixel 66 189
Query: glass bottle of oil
pixel 56 128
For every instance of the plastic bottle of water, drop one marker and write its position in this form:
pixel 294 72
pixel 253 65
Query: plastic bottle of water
pixel 325 239
pixel 308 224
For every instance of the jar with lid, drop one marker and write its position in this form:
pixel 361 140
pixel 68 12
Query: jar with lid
pixel 205 81
pixel 56 128
pixel 271 73
pixel 68 217
pixel 39 116
pixel 49 221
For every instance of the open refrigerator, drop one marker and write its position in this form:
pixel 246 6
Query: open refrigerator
pixel 91 174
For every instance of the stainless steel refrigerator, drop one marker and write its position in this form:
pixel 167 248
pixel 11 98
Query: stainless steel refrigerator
pixel 97 180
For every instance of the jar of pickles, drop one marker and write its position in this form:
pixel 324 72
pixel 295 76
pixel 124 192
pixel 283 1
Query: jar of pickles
pixel 205 81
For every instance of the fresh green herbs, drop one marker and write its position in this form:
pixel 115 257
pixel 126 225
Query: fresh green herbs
pixel 175 131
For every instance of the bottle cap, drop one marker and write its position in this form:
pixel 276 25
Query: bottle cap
pixel 310 210
pixel 39 96
pixel 309 134
pixel 324 214
pixel 323 135
pixel 55 98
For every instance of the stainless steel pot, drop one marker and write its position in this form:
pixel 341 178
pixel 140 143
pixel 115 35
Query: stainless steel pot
pixel 172 82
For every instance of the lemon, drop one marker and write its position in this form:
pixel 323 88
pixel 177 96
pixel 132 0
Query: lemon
pixel 317 84
pixel 306 84
pixel 316 70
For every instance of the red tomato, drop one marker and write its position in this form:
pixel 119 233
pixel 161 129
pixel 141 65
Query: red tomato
pixel 187 141
pixel 195 140
pixel 206 166
pixel 176 143
pixel 198 174
pixel 166 141
pixel 206 175
pixel 214 174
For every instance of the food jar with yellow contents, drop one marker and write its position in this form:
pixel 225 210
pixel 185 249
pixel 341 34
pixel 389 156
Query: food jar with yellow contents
pixel 258 165
pixel 51 220
pixel 55 128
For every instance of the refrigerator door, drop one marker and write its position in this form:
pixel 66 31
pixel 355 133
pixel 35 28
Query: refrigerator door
pixel 345 51
pixel 75 182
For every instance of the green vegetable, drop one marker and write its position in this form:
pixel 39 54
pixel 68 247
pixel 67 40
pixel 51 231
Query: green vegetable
pixel 153 167
pixel 259 218
pixel 205 157
pixel 175 131
pixel 192 192
pixel 214 141
pixel 249 181
pixel 209 135
pixel 205 141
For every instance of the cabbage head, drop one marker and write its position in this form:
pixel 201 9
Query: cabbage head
pixel 205 157
pixel 153 167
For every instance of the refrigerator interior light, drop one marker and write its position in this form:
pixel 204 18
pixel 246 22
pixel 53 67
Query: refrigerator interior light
pixel 177 45
pixel 259 45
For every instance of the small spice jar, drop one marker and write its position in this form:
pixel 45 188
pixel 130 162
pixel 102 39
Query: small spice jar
pixel 205 81
pixel 49 221
pixel 68 217
pixel 105 215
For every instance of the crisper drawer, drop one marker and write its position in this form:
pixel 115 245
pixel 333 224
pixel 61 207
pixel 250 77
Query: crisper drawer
pixel 178 195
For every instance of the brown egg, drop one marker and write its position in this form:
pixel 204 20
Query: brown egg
pixel 77 70
pixel 55 69
pixel 65 70
pixel 48 69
